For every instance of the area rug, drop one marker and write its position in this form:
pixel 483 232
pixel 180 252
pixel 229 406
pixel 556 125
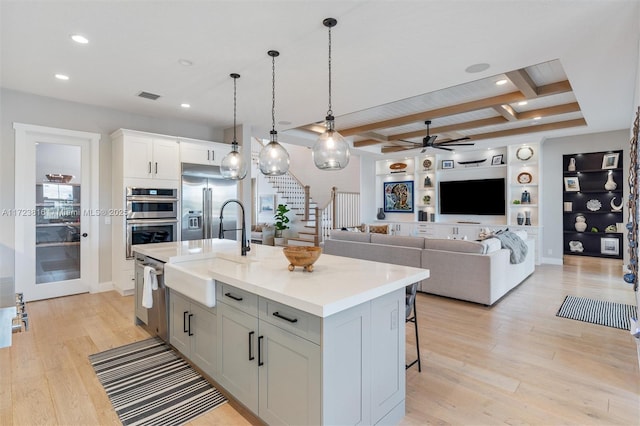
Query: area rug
pixel 609 314
pixel 149 384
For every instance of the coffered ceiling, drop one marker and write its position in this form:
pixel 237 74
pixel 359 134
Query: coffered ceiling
pixel 395 64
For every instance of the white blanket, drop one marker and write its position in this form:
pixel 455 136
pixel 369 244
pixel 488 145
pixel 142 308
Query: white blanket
pixel 150 283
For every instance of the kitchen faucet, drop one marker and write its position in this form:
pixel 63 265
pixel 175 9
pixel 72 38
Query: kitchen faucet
pixel 244 245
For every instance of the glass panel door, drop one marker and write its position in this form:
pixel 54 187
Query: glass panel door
pixel 58 191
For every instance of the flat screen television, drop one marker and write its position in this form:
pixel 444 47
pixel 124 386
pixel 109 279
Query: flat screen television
pixel 473 197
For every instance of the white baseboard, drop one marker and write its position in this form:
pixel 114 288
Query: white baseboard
pixel 102 287
pixel 552 261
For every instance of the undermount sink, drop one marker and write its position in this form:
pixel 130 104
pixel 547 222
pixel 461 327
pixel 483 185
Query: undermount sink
pixel 193 280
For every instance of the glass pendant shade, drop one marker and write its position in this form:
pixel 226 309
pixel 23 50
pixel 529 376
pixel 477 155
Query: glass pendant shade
pixel 331 151
pixel 233 166
pixel 274 159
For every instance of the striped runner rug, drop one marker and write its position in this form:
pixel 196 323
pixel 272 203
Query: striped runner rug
pixel 610 314
pixel 149 384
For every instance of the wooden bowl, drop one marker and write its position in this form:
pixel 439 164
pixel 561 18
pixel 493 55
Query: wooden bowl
pixel 302 256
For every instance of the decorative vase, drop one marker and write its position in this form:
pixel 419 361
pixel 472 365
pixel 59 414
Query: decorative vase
pixel 380 214
pixel 527 217
pixel 572 165
pixel 581 224
pixel 610 185
pixel 520 218
pixel 427 182
pixel 526 197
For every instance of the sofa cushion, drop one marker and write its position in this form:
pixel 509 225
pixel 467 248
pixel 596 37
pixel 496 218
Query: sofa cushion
pixel 491 244
pixel 379 229
pixel 397 240
pixel 460 246
pixel 361 237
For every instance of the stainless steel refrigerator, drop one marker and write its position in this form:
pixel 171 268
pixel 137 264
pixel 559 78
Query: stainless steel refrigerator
pixel 203 193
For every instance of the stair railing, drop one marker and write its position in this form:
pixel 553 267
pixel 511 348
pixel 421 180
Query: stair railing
pixel 342 211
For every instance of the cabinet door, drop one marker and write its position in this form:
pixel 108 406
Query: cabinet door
pixel 142 313
pixel 289 378
pixel 204 339
pixel 138 153
pixel 179 310
pixel 238 354
pixel 166 161
pixel 200 153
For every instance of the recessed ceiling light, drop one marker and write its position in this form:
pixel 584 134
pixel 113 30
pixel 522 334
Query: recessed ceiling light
pixel 185 105
pixel 79 39
pixel 537 118
pixel 62 77
pixel 477 68
pixel 501 82
pixel 284 122
pixel 185 62
pixel 521 103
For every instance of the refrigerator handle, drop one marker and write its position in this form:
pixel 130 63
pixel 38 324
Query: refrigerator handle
pixel 205 215
pixel 209 212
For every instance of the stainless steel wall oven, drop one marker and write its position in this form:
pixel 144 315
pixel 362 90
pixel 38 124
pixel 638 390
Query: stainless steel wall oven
pixel 152 216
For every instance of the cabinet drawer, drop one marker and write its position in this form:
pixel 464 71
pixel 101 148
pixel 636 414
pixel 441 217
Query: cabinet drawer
pixel 290 319
pixel 233 296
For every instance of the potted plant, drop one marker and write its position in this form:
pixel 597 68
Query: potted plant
pixel 281 219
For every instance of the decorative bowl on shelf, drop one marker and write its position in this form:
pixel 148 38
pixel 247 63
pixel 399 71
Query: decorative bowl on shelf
pixel 302 256
pixel 58 178
pixel 398 166
pixel 594 205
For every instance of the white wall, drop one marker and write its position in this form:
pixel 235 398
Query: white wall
pixel 30 109
pixel 552 182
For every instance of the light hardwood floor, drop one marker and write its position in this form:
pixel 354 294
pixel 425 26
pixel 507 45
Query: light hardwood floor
pixel 513 363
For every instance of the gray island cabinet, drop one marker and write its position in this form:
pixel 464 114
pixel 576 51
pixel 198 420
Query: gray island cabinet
pixel 300 348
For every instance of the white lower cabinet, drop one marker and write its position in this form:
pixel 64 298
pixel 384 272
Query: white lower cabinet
pixel 193 332
pixel 272 371
pixel 290 367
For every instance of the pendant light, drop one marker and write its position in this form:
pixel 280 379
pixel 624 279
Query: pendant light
pixel 274 159
pixel 233 166
pixel 331 151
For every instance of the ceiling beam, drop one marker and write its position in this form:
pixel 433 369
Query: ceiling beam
pixel 521 79
pixel 553 110
pixel 507 112
pixel 490 102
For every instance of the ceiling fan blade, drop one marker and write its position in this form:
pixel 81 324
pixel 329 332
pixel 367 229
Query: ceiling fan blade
pixel 457 144
pixel 411 142
pixel 442 147
pixel 456 140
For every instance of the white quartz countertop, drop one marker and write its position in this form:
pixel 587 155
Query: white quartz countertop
pixel 336 283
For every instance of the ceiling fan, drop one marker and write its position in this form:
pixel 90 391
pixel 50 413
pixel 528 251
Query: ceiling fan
pixel 429 141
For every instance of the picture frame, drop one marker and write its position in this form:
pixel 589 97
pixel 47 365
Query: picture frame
pixel 447 164
pixel 497 160
pixel 610 161
pixel 398 196
pixel 571 184
pixel 610 246
pixel 267 203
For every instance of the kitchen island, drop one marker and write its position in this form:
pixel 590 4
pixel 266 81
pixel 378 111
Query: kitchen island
pixel 325 347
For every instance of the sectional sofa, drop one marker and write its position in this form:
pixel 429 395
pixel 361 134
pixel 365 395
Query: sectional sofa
pixel 475 271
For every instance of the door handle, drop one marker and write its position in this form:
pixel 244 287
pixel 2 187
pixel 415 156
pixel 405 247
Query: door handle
pixel 190 333
pixel 184 322
pixel 260 363
pixel 251 357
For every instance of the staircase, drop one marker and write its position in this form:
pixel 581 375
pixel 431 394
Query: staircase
pixel 298 200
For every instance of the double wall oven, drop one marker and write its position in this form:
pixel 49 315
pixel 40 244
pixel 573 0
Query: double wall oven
pixel 152 216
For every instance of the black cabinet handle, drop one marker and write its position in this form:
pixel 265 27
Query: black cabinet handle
pixel 234 297
pixel 279 315
pixel 156 167
pixel 149 167
pixel 190 333
pixel 260 363
pixel 251 357
pixel 184 321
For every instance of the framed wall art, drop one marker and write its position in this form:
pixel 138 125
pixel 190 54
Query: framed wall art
pixel 267 203
pixel 447 164
pixel 610 246
pixel 610 161
pixel 571 184
pixel 398 197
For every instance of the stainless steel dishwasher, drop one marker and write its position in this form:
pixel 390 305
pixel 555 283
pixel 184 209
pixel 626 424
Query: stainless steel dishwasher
pixel 154 319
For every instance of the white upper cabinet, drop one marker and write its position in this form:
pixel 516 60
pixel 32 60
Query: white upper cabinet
pixel 209 153
pixel 147 156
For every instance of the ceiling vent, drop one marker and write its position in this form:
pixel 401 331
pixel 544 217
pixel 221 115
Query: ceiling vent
pixel 148 95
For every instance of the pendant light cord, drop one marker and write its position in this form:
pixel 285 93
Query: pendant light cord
pixel 273 93
pixel 329 111
pixel 234 110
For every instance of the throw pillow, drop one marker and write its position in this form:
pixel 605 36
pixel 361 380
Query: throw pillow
pixel 379 229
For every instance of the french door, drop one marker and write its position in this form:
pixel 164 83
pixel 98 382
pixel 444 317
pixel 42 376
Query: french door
pixel 56 211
